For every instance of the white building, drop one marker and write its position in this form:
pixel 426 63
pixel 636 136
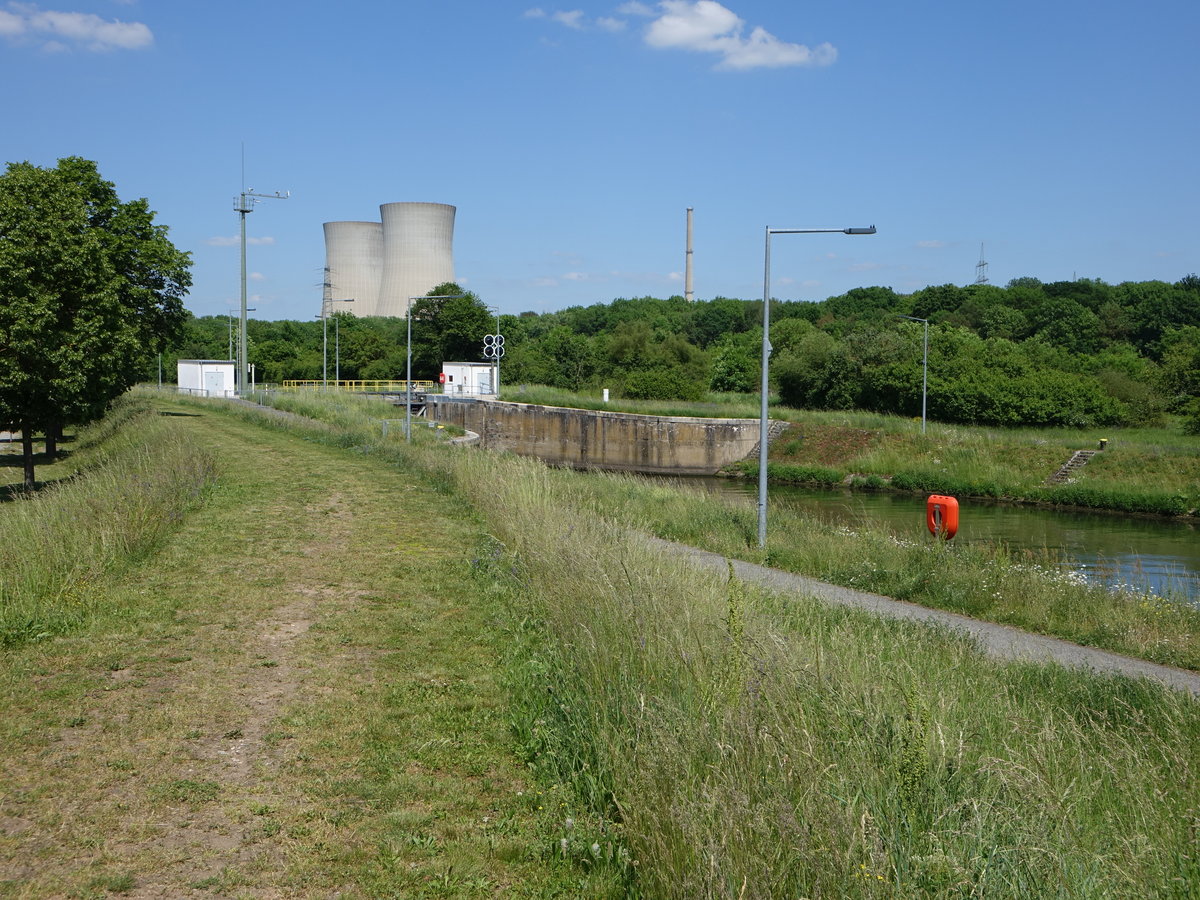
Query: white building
pixel 468 379
pixel 207 377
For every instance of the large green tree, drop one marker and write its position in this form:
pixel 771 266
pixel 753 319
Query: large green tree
pixel 448 324
pixel 90 291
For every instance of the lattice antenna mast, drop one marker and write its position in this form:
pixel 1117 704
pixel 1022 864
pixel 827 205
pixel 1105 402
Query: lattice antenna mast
pixel 243 204
pixel 981 276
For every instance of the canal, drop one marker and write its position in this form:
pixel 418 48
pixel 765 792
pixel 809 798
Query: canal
pixel 1159 555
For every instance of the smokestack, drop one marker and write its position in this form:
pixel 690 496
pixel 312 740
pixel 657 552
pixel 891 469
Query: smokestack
pixel 688 293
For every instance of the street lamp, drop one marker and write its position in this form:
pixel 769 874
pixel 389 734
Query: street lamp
pixel 766 361
pixel 408 356
pixel 924 367
pixel 337 345
pixel 325 340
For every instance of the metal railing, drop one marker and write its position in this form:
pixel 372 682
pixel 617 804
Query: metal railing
pixel 391 386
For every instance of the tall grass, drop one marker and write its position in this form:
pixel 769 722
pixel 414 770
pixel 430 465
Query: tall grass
pixel 747 747
pixel 709 740
pixel 138 476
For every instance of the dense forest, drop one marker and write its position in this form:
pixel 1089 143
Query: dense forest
pixel 1064 353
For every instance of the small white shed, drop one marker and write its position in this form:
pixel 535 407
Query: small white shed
pixel 207 377
pixel 469 379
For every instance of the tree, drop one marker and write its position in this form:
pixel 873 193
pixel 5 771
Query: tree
pixel 90 290
pixel 448 324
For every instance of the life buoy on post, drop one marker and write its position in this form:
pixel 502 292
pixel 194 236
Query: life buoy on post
pixel 941 516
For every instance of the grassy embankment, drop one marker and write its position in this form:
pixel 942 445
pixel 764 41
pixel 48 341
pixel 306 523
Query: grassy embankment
pixel 289 690
pixel 1143 470
pixel 694 737
pixel 743 746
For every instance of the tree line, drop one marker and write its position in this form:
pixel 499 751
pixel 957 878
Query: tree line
pixel 1041 354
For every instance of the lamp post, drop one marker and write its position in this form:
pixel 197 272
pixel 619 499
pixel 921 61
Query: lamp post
pixel 337 346
pixel 766 361
pixel 408 356
pixel 324 347
pixel 924 367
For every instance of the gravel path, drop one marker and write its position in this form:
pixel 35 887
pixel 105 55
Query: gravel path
pixel 1001 641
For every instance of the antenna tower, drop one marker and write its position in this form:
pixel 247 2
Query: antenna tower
pixel 981 268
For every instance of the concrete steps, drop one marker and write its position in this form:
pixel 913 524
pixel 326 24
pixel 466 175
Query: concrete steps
pixel 1078 460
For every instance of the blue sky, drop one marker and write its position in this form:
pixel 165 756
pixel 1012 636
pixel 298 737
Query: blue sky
pixel 573 137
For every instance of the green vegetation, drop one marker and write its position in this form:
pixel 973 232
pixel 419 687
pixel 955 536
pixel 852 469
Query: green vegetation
pixel 719 742
pixel 689 735
pixel 90 290
pixel 295 692
pixel 1072 354
pixel 136 475
pixel 1024 590
pixel 1142 470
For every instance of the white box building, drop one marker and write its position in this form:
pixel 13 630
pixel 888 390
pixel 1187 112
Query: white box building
pixel 207 377
pixel 469 379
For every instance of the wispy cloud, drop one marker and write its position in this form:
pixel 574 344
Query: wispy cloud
pixel 705 26
pixel 55 30
pixel 572 19
pixel 700 26
pixel 576 19
pixel 222 241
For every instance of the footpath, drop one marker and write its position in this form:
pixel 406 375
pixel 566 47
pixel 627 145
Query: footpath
pixel 1000 641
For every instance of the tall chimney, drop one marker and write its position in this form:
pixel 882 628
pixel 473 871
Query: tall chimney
pixel 688 293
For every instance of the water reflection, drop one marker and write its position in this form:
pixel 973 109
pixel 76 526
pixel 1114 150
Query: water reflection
pixel 1160 555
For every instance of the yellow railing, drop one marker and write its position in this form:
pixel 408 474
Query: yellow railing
pixel 362 387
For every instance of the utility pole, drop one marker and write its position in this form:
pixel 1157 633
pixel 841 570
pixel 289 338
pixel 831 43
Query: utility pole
pixel 244 204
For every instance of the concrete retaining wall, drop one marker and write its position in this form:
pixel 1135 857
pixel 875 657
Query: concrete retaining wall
pixel 594 439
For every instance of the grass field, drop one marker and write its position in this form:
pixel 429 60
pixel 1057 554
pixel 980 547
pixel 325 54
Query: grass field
pixel 292 691
pixel 382 670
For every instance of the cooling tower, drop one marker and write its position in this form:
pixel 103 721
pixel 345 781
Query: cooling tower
pixel 353 267
pixel 417 253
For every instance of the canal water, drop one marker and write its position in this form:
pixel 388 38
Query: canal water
pixel 1159 555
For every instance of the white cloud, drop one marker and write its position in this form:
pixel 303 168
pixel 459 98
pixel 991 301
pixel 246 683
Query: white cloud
pixel 57 30
pixel 705 26
pixel 535 13
pixel 257 276
pixel 11 25
pixel 608 24
pixel 634 8
pixel 576 276
pixel 235 241
pixel 572 18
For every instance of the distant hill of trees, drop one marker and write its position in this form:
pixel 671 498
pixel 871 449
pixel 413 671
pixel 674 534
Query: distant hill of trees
pixel 1063 353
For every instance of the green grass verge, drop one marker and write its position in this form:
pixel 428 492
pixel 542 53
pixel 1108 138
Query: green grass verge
pixel 709 740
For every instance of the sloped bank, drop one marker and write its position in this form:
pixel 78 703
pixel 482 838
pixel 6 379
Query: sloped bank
pixel 598 439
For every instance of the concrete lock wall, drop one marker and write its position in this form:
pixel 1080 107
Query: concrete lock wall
pixel 594 439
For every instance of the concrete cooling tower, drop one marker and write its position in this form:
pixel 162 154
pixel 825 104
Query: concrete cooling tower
pixel 353 267
pixel 417 252
pixel 382 264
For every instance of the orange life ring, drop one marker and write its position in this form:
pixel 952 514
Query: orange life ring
pixel 941 516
